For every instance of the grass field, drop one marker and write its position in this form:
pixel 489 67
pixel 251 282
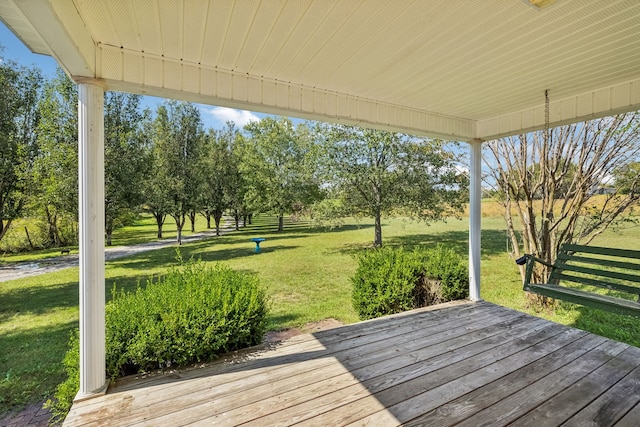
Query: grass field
pixel 305 270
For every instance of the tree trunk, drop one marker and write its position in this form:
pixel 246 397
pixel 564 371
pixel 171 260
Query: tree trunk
pixel 52 220
pixel 108 229
pixel 281 220
pixel 377 241
pixel 180 220
pixel 3 231
pixel 159 222
pixel 207 215
pixel 5 227
pixel 244 220
pixel 236 217
pixel 192 218
pixel 217 216
pixel 250 218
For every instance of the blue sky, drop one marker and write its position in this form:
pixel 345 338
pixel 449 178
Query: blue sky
pixel 213 117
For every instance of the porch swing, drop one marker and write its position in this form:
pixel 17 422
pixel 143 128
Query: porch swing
pixel 587 269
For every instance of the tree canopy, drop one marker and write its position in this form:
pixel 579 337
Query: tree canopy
pixel 376 173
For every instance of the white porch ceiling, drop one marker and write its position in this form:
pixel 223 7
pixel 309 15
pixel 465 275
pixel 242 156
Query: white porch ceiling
pixel 457 69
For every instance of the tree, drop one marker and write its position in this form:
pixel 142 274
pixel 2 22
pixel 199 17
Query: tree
pixel 221 169
pixel 177 148
pixel 627 178
pixel 56 166
pixel 279 159
pixel 376 173
pixel 20 90
pixel 126 158
pixel 547 180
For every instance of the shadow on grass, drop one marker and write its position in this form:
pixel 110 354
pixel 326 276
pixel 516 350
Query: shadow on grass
pixel 493 241
pixel 610 325
pixel 166 257
pixel 38 299
pixel 301 227
pixel 274 323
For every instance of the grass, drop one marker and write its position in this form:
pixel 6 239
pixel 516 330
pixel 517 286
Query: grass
pixel 306 271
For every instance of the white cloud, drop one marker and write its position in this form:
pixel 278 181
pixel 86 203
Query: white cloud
pixel 222 115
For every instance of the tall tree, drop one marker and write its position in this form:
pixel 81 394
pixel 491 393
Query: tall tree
pixel 126 158
pixel 220 181
pixel 279 159
pixel 20 90
pixel 376 173
pixel 178 140
pixel 546 182
pixel 56 167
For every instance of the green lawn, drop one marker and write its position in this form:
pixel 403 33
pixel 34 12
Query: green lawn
pixel 305 270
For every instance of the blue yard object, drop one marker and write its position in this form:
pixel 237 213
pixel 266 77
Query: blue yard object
pixel 257 241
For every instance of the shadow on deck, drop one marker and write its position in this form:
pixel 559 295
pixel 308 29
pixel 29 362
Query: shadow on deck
pixel 459 363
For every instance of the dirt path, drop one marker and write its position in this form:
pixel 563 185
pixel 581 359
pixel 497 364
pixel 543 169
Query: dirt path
pixel 27 269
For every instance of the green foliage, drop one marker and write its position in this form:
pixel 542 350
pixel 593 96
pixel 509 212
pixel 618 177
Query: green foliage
pixel 450 271
pixel 280 161
pixel 392 280
pixel 19 92
pixel 67 390
pixel 176 179
pixel 56 168
pixel 126 158
pixel 378 173
pixel 192 314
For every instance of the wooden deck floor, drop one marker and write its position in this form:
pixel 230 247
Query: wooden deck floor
pixel 466 364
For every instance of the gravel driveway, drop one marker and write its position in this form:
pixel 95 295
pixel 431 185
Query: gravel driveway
pixel 33 268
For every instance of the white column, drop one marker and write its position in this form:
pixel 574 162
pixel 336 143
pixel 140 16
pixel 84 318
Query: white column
pixel 91 211
pixel 475 200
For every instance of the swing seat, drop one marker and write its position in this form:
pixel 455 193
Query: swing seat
pixel 599 277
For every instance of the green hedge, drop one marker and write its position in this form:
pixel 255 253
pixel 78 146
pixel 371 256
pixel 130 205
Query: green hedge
pixel 193 314
pixel 392 280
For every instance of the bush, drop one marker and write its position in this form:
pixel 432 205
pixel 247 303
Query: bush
pixel 66 391
pixel 192 314
pixel 390 280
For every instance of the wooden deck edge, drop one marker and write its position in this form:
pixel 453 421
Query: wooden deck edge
pixel 236 355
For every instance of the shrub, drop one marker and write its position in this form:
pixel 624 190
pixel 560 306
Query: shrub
pixel 192 314
pixel 390 280
pixel 67 390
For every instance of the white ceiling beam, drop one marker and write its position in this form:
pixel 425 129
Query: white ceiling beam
pixel 157 76
pixel 607 101
pixel 61 33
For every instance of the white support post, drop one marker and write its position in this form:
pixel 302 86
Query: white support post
pixel 475 202
pixel 91 211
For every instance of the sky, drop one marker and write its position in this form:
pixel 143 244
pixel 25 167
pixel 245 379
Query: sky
pixel 212 116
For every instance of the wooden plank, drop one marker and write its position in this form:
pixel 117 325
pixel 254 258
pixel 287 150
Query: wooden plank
pixel 277 395
pixel 597 279
pixel 631 418
pixel 513 407
pixel 564 405
pixel 600 250
pixel 603 302
pixel 302 350
pixel 481 398
pixel 423 395
pixel 612 405
pixel 624 265
pixel 239 377
pixel 297 405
